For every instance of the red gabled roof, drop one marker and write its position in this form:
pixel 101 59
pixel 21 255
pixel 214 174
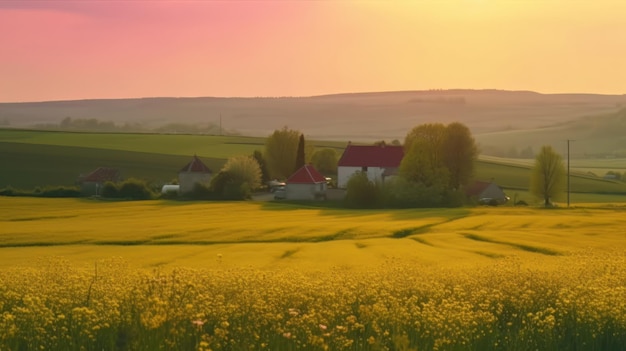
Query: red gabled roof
pixel 196 166
pixel 372 156
pixel 307 174
pixel 477 188
pixel 101 175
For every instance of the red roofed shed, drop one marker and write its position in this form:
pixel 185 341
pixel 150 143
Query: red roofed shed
pixel 306 184
pixel 92 183
pixel 486 193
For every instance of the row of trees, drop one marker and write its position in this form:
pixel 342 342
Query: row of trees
pixel 438 164
pixel 285 152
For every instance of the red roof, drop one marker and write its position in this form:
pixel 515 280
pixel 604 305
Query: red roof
pixel 102 174
pixel 372 156
pixel 477 188
pixel 196 166
pixel 307 174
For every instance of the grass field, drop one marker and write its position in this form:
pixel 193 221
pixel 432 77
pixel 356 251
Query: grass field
pixel 79 274
pixel 34 159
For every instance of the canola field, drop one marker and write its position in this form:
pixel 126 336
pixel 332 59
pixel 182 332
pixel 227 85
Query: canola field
pixel 159 275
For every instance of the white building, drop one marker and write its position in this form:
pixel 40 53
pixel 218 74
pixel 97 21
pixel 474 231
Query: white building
pixel 377 161
pixel 195 172
pixel 306 184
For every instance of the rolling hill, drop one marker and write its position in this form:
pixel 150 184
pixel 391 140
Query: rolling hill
pixel 499 119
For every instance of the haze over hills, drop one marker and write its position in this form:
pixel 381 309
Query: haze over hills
pixel 503 122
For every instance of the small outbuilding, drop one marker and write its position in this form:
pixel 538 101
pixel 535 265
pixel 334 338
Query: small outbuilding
pixel 306 184
pixel 92 183
pixel 487 193
pixel 195 172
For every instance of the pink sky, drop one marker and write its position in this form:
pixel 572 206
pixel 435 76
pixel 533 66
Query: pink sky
pixel 63 50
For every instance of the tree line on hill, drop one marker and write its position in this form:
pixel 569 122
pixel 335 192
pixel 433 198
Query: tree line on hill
pixel 95 125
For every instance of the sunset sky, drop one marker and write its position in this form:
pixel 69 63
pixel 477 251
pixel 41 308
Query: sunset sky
pixel 65 50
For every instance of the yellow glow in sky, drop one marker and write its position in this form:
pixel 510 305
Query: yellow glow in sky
pixel 74 50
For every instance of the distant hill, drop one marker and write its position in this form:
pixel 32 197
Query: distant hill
pixel 502 121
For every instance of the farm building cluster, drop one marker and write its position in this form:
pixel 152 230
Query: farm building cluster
pixel 379 162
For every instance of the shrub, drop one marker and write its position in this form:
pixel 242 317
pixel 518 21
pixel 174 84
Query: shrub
pixel 109 189
pixel 201 192
pixel 8 191
pixel 60 191
pixel 131 189
pixel 401 193
pixel 362 192
pixel 135 189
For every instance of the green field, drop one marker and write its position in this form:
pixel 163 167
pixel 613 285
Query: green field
pixel 35 158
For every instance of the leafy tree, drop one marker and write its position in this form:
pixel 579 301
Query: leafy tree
pixel 244 170
pixel 258 156
pixel 423 160
pixel 300 160
pixel 431 135
pixel 418 165
pixel 280 152
pixel 548 175
pixel 459 154
pixel 440 159
pixel 325 160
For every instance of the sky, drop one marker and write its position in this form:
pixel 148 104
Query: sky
pixel 90 49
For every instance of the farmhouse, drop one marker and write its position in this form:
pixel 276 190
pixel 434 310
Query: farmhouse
pixel 487 193
pixel 306 184
pixel 377 161
pixel 92 183
pixel 195 172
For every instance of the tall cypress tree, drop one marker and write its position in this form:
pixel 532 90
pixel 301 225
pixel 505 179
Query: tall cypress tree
pixel 300 155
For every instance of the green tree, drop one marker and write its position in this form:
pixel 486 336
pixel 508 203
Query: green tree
pixel 423 160
pixel 459 154
pixel 280 152
pixel 325 160
pixel 300 160
pixel 548 175
pixel 244 171
pixel 258 156
pixel 419 166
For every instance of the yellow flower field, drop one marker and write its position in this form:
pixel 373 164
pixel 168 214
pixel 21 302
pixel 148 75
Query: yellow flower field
pixel 153 275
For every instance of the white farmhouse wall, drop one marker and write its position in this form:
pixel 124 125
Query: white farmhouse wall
pixel 304 191
pixel 188 180
pixel 375 174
